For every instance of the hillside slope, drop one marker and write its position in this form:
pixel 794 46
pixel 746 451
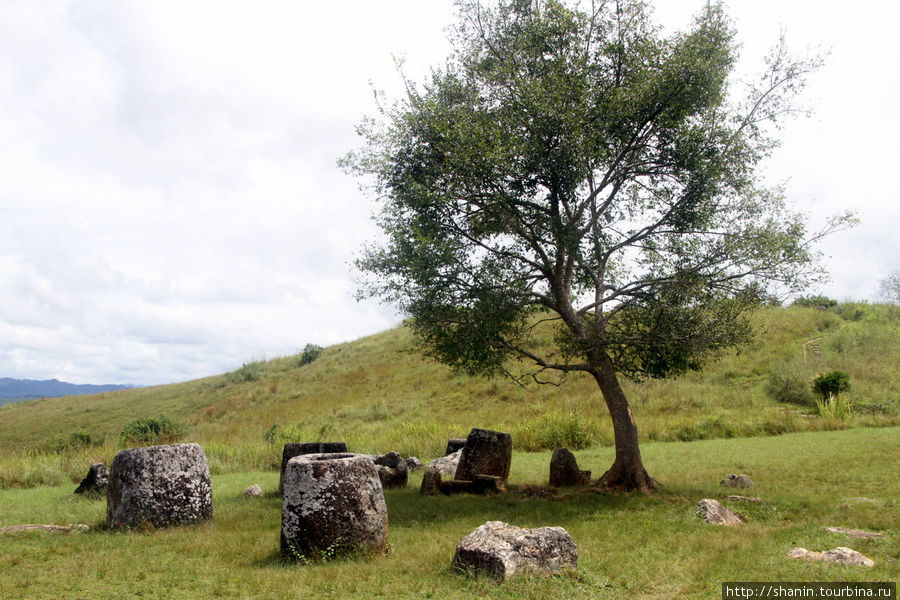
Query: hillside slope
pixel 378 393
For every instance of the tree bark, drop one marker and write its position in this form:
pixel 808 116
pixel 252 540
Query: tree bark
pixel 627 471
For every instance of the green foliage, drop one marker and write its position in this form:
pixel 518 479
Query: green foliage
pixel 310 353
pixel 831 384
pixel 152 430
pixel 836 408
pixel 76 440
pixel 555 430
pixel 790 383
pixel 580 167
pixel 248 372
pixel 815 302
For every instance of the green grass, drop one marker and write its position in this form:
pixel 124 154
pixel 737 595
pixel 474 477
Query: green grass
pixel 630 546
pixel 378 394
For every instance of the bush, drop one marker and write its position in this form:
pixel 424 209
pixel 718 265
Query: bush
pixel 310 353
pixel 790 384
pixel 249 371
pixel 76 440
pixel 831 384
pixel 152 430
pixel 823 302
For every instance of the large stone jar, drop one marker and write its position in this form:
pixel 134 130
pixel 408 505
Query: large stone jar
pixel 333 504
pixel 160 486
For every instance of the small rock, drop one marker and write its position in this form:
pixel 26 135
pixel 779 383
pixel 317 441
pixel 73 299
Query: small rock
pixel 855 533
pixel 413 464
pixel 95 481
pixel 741 481
pixel 715 514
pixel 253 491
pixel 392 470
pixel 431 483
pixel 454 444
pixel 503 551
pixel 446 465
pixel 838 556
pixel 564 470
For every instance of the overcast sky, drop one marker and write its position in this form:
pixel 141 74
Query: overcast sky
pixel 170 206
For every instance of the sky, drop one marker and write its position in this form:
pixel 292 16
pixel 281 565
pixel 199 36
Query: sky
pixel 170 202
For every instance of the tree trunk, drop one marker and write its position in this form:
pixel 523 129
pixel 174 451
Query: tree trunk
pixel 627 471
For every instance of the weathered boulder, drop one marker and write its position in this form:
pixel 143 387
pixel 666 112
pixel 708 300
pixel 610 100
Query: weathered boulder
pixel 159 485
pixel 454 444
pixel 839 556
pixel 486 453
pixel 333 504
pixel 292 449
pixel 503 551
pixel 564 470
pixel 95 481
pixel 446 465
pixel 391 470
pixel 413 464
pixel 715 514
pixel 254 491
pixel 431 482
pixel 741 481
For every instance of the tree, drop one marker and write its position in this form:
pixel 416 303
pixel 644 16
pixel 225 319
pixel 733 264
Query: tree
pixel 890 288
pixel 575 193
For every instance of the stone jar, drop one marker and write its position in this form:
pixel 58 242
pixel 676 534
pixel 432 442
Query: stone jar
pixel 158 485
pixel 333 504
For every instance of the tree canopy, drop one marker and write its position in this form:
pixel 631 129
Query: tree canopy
pixel 575 191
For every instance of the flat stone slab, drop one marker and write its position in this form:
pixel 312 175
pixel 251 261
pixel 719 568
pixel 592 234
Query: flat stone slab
pixel 855 533
pixel 715 514
pixel 502 551
pixel 40 527
pixel 838 556
pixel 737 498
pixel 160 485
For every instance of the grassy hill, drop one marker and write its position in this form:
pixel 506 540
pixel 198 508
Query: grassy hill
pixel 378 394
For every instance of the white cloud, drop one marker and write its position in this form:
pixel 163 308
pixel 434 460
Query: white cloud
pixel 170 204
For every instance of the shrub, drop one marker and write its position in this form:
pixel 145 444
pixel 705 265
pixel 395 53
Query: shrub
pixel 310 353
pixel 249 371
pixel 833 407
pixel 823 302
pixel 831 384
pixel 554 430
pixel 152 430
pixel 76 440
pixel 789 383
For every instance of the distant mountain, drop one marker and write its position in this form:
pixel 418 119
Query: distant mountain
pixel 13 390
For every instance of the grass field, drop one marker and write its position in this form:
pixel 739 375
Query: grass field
pixel 378 394
pixel 630 546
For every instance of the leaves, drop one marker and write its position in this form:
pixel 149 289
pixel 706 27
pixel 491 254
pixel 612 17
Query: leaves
pixel 580 165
